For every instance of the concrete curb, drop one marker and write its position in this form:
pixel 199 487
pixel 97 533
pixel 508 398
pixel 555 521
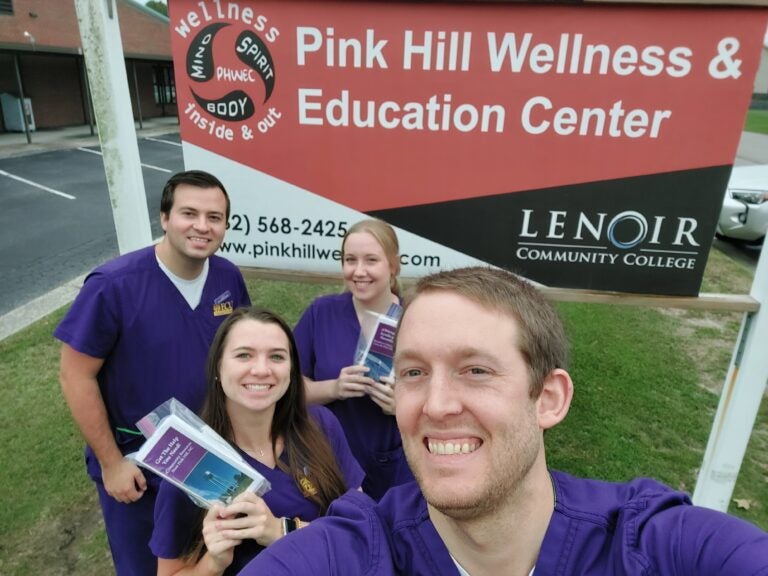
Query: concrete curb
pixel 20 318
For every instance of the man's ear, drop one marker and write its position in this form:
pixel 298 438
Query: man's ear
pixel 555 399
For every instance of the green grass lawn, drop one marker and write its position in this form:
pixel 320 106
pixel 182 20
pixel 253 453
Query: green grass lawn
pixel 757 121
pixel 643 406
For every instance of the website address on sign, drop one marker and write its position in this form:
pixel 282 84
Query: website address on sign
pixel 308 251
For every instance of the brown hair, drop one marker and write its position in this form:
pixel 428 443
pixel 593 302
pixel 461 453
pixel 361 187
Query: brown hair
pixel 309 455
pixel 196 178
pixel 385 235
pixel 543 342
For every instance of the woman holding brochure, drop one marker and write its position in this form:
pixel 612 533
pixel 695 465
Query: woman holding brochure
pixel 256 401
pixel 327 336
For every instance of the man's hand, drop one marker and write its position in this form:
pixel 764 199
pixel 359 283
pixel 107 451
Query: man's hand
pixel 124 481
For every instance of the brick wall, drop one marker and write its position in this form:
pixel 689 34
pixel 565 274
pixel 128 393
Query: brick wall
pixel 53 24
pixel 142 34
pixel 54 81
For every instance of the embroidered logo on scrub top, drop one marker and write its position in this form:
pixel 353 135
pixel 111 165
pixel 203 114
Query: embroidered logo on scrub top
pixel 306 484
pixel 223 305
pixel 307 487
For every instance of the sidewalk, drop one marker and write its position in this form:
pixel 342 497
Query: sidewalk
pixel 15 143
pixel 753 148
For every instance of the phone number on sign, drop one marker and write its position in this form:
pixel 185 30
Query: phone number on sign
pixel 284 225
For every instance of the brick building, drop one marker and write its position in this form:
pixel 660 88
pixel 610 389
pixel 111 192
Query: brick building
pixel 41 56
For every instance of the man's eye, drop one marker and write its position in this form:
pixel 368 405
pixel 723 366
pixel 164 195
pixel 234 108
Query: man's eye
pixel 477 371
pixel 411 373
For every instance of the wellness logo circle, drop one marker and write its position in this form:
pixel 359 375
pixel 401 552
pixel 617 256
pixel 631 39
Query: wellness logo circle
pixel 232 74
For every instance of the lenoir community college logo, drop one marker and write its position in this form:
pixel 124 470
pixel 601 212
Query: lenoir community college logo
pixel 629 238
pixel 230 69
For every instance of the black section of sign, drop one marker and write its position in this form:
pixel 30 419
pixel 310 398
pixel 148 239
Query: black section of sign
pixel 255 54
pixel 646 234
pixel 200 66
pixel 235 106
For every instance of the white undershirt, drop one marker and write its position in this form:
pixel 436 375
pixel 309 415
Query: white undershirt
pixel 191 290
pixel 463 572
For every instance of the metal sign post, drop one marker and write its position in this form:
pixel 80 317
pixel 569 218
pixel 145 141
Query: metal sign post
pixel 739 402
pixel 103 51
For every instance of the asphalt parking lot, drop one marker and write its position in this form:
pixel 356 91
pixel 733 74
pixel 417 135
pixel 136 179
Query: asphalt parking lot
pixel 56 222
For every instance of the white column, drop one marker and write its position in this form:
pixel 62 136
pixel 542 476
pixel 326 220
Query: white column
pixel 103 51
pixel 739 402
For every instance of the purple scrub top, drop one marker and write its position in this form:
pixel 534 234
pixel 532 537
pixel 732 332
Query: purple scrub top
pixel 326 337
pixel 640 528
pixel 176 514
pixel 154 345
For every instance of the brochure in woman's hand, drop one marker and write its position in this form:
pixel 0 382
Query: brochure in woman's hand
pixel 183 450
pixel 376 345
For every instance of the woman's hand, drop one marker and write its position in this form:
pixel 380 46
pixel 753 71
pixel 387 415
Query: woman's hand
pixel 220 547
pixel 383 393
pixel 248 516
pixel 352 382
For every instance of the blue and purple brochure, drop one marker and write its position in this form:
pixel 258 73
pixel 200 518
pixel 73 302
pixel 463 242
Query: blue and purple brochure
pixel 182 455
pixel 379 355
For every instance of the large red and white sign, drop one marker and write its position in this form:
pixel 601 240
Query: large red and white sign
pixel 582 146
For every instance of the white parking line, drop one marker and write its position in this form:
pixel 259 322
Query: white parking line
pixel 40 186
pixel 171 142
pixel 89 151
pixel 150 166
pixel 157 168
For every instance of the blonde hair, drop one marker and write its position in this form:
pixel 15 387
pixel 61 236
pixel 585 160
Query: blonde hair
pixel 385 235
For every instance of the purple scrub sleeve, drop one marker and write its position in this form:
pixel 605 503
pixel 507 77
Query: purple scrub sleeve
pixel 349 541
pixel 154 347
pixel 326 337
pixel 177 518
pixel 635 529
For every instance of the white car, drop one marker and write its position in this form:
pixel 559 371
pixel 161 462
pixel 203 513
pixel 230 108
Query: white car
pixel 745 207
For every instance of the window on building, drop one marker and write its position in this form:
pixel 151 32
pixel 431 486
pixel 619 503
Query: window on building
pixel 164 85
pixel 6 6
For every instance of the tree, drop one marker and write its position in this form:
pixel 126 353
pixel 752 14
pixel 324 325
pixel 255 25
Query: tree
pixel 158 6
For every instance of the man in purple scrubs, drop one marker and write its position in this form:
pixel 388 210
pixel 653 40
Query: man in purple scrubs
pixel 481 363
pixel 138 334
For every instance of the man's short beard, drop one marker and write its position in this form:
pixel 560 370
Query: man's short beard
pixel 509 486
pixel 461 511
